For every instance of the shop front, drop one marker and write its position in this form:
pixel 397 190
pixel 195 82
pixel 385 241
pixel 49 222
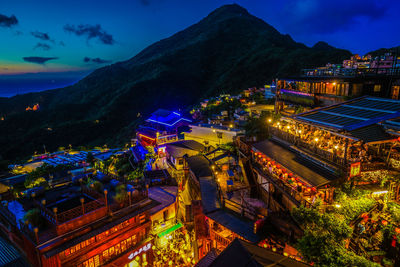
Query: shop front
pixel 140 256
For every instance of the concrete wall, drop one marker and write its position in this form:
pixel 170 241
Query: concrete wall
pixel 210 135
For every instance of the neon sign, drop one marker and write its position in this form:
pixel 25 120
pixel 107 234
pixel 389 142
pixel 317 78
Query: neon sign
pixel 169 124
pixel 137 252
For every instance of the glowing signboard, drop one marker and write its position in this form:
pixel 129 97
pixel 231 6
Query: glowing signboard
pixel 355 169
pixel 137 252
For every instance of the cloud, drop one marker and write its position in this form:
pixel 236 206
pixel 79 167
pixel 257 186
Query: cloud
pixel 42 36
pixel 38 60
pixel 8 22
pixel 17 33
pixel 43 46
pixel 61 43
pixel 96 60
pixel 91 31
pixel 314 16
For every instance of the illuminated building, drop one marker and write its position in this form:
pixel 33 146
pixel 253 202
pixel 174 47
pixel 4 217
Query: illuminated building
pixel 163 126
pixel 81 227
pixel 308 151
pixel 213 212
pixel 212 135
pixel 378 76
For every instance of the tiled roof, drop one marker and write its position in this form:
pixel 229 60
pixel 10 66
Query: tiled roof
pixel 294 163
pixel 353 114
pixel 242 253
pixel 10 256
pixel 166 117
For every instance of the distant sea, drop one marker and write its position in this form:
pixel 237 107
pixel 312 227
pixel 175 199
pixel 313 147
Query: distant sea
pixel 11 85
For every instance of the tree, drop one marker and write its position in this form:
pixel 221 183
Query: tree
pixel 33 217
pixel 324 239
pixel 121 195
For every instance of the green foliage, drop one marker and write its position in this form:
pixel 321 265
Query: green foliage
pixel 98 186
pixel 225 105
pixel 394 210
pixel 257 127
pixel 351 208
pixel 324 239
pixel 36 177
pixel 33 217
pixel 121 195
pixel 135 174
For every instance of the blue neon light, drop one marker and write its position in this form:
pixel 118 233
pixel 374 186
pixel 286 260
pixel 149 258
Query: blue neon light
pixel 169 124
pixel 176 113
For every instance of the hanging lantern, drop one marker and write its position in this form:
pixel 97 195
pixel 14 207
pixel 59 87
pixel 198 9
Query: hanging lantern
pixel 384 222
pixel 397 230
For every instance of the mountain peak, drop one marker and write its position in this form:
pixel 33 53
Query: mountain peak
pixel 231 9
pixel 321 45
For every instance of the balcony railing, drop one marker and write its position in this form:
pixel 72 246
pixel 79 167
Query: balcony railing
pixel 224 241
pixel 309 148
pixel 287 189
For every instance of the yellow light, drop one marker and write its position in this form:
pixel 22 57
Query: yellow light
pixel 299 131
pixel 334 84
pixel 285 254
pixel 338 205
pixel 288 127
pixel 336 147
pixel 380 192
pixel 213 131
pixel 231 126
pixel 316 139
pixel 269 120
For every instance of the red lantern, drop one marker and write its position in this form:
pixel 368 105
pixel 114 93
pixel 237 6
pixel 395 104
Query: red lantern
pixel 397 230
pixel 384 222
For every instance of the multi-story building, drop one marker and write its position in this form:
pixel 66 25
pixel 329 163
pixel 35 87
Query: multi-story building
pixel 212 135
pixel 163 126
pixel 78 226
pixel 379 76
pixel 310 150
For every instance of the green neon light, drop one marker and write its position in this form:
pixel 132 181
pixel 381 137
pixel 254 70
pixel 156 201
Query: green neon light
pixel 170 230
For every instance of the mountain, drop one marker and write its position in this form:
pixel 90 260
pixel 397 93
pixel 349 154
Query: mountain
pixel 323 46
pixel 227 51
pixel 382 51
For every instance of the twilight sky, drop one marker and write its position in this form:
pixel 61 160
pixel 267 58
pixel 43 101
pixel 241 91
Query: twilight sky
pixel 65 39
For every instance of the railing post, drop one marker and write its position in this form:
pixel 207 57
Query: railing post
pixel 83 205
pixel 105 198
pixel 55 214
pixel 36 230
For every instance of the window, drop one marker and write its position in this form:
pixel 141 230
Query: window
pixel 377 88
pixel 165 213
pixel 180 162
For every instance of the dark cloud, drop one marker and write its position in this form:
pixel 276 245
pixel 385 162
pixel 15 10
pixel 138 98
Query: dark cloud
pixel 43 46
pixel 91 31
pixel 314 16
pixel 8 22
pixel 96 60
pixel 41 35
pixel 38 60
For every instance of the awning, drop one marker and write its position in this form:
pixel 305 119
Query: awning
pixel 170 230
pixel 295 163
